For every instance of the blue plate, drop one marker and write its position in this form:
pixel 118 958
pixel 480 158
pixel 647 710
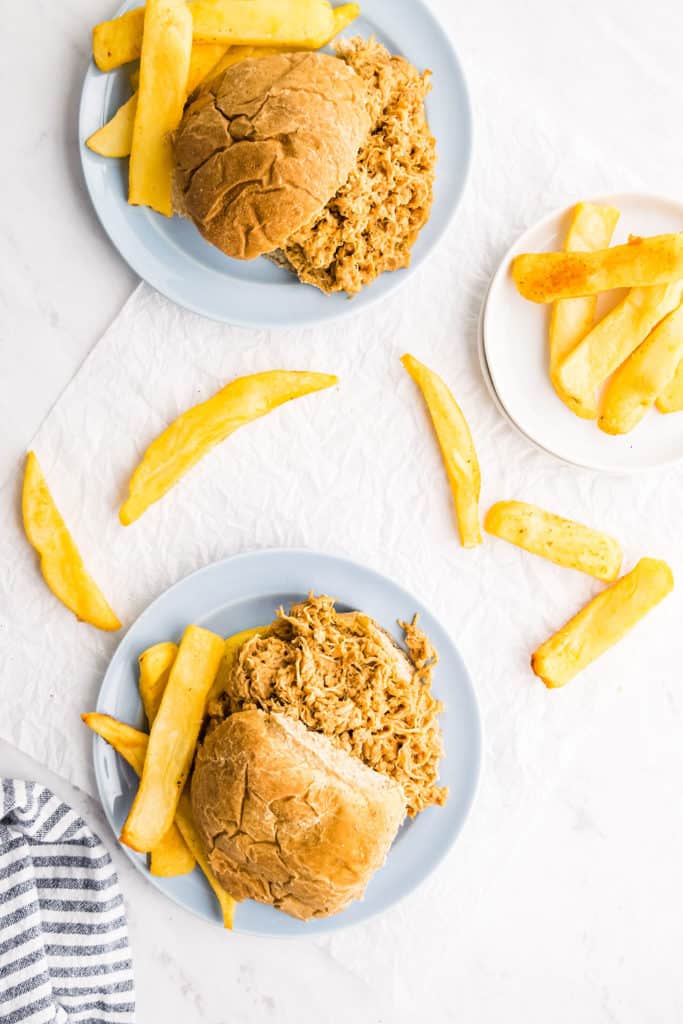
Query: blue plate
pixel 246 591
pixel 173 257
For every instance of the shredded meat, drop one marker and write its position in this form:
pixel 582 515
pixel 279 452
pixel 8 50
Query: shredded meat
pixel 372 222
pixel 340 675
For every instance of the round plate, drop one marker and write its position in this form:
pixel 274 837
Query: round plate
pixel 246 591
pixel 514 340
pixel 173 257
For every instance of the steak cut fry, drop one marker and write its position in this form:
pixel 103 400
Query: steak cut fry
pixel 185 821
pixel 586 368
pixel 645 375
pixel 591 228
pixel 457 448
pixel 560 540
pixel 231 649
pixel 641 262
pixel 671 398
pixel 155 667
pixel 171 856
pixel 173 738
pixel 603 621
pixel 203 426
pixel 60 560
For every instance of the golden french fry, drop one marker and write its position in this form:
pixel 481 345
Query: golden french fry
pixel 671 398
pixel 457 448
pixel 602 622
pixel 591 228
pixel 60 560
pixel 647 372
pixel 185 820
pixel 559 540
pixel 172 855
pixel 173 738
pixel 115 137
pixel 642 262
pixel 343 16
pixel 586 368
pixel 295 24
pixel 164 69
pixel 155 667
pixel 231 650
pixel 198 430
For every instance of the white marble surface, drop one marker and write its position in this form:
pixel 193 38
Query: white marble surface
pixel 579 915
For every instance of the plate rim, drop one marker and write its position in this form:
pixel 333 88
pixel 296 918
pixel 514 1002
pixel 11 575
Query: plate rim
pixel 596 466
pixel 343 311
pixel 336 922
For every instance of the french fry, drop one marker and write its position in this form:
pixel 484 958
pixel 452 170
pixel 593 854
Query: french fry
pixel 642 262
pixel 647 372
pixel 457 448
pixel 172 856
pixel 60 560
pixel 115 137
pixel 193 434
pixel 602 622
pixel 231 650
pixel 591 228
pixel 671 398
pixel 155 667
pixel 186 824
pixel 164 69
pixel 559 540
pixel 173 738
pixel 586 368
pixel 295 24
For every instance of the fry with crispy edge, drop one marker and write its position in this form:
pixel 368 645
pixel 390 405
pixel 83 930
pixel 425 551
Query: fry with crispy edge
pixel 671 398
pixel 294 24
pixel 457 448
pixel 155 667
pixel 173 856
pixel 198 430
pixel 560 540
pixel 173 738
pixel 132 744
pixel 60 560
pixel 647 372
pixel 642 262
pixel 164 70
pixel 586 368
pixel 591 228
pixel 602 622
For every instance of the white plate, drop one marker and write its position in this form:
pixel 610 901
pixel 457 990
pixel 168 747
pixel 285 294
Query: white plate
pixel 515 352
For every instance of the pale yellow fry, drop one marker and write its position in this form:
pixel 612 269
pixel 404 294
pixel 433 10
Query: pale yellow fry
pixel 114 138
pixel 560 540
pixel 186 824
pixel 172 855
pixel 548 276
pixel 602 622
pixel 173 739
pixel 671 398
pixel 231 650
pixel 164 69
pixel 155 667
pixel 457 448
pixel 591 228
pixel 635 386
pixel 118 41
pixel 343 16
pixel 586 368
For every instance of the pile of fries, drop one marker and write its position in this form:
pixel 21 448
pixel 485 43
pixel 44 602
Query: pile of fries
pixel 178 45
pixel 615 370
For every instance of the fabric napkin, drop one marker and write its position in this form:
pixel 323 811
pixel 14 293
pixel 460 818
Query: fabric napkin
pixel 64 954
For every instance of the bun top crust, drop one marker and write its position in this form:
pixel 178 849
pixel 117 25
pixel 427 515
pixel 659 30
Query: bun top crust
pixel 288 819
pixel 261 149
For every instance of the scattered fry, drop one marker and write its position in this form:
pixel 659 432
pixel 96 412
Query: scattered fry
pixel 185 820
pixel 194 433
pixel 642 262
pixel 586 368
pixel 457 448
pixel 155 666
pixel 634 388
pixel 602 622
pixel 173 738
pixel 559 540
pixel 171 856
pixel 164 69
pixel 671 398
pixel 591 228
pixel 60 560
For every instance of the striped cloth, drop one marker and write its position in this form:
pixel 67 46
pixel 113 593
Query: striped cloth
pixel 64 954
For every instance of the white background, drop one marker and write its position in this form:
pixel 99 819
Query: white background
pixel 578 916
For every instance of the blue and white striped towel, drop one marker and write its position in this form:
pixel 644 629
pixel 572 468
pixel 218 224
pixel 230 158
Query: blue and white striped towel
pixel 64 954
